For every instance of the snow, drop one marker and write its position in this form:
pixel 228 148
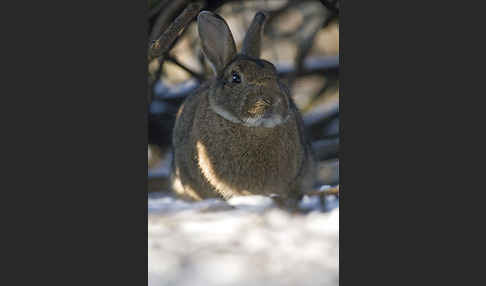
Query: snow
pixel 245 241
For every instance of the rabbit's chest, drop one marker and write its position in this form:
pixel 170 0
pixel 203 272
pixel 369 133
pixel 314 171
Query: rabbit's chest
pixel 246 160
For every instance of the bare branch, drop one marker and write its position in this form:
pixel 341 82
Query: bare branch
pixel 162 45
pixel 165 17
pixel 326 148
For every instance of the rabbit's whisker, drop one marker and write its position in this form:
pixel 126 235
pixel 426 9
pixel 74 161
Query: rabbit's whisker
pixel 267 101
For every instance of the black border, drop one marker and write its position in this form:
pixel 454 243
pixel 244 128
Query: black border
pixel 406 79
pixel 76 161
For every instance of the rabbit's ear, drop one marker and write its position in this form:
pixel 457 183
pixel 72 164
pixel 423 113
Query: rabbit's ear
pixel 251 43
pixel 216 38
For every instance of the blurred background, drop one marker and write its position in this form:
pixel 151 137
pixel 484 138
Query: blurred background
pixel 301 38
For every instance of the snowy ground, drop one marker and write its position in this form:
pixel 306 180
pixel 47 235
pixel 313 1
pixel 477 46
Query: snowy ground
pixel 246 241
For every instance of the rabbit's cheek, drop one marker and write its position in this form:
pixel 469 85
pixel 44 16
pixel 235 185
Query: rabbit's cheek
pixel 221 111
pixel 281 108
pixel 275 116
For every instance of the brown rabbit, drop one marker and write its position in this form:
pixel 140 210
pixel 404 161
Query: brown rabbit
pixel 240 133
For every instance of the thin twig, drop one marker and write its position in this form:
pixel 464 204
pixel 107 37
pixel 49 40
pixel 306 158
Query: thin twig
pixel 303 50
pixel 331 6
pixel 328 65
pixel 197 75
pixel 326 192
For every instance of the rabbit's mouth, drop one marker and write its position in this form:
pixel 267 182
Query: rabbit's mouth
pixel 261 115
pixel 265 119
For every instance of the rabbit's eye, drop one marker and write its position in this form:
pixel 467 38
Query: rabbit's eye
pixel 236 77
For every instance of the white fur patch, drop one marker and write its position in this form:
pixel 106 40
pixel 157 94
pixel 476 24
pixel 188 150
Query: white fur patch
pixel 207 170
pixel 264 122
pixel 222 112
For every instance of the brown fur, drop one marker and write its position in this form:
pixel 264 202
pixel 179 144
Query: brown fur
pixel 216 157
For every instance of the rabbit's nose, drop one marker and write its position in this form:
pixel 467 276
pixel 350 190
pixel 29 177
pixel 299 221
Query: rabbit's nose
pixel 258 108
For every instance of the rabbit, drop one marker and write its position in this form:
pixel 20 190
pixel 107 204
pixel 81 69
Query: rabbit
pixel 239 133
